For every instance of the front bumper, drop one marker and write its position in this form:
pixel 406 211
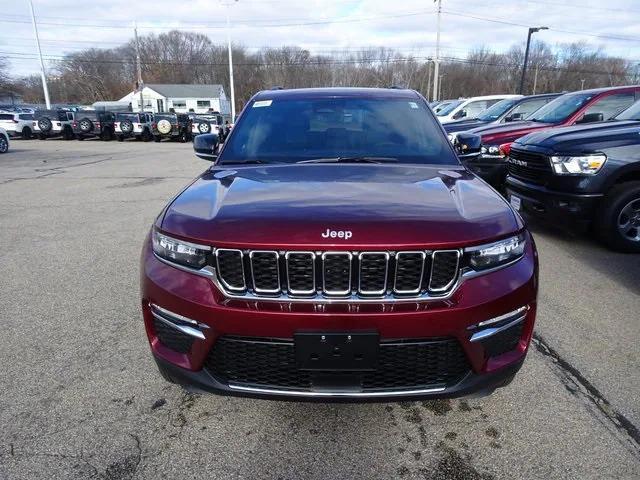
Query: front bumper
pixel 476 300
pixel 561 207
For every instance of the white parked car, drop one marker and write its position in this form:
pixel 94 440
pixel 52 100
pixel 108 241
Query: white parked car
pixel 17 124
pixel 469 107
pixel 4 141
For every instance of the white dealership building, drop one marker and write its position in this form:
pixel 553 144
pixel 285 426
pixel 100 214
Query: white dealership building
pixel 181 98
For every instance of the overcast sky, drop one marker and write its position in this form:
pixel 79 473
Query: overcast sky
pixel 320 25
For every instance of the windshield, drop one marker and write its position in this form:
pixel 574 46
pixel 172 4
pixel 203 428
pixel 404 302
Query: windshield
pixel 561 108
pixel 496 110
pixel 447 109
pixel 127 116
pixel 631 113
pixel 294 130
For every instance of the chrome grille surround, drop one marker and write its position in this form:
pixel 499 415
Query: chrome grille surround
pixel 332 275
pixel 361 258
pixel 252 260
pixel 327 257
pixel 434 263
pixel 288 260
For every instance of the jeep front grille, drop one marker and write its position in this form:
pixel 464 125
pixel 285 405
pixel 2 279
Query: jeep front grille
pixel 306 274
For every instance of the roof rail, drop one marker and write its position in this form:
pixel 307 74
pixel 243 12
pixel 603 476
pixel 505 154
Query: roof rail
pixel 277 87
pixel 397 87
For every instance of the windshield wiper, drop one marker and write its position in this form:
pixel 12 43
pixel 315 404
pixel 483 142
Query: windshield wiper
pixel 355 159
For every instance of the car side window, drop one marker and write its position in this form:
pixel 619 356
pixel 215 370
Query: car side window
pixel 473 109
pixel 611 105
pixel 527 107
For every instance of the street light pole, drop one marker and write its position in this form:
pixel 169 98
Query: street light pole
pixel 227 4
pixel 526 55
pixel 43 75
pixel 436 61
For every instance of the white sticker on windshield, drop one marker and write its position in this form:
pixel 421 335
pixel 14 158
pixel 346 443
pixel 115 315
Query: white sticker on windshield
pixel 413 105
pixel 262 103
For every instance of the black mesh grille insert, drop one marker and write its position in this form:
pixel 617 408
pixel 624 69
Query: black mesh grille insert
pixel 337 273
pixel 444 269
pixel 402 364
pixel 300 272
pixel 231 268
pixel 264 268
pixel 409 267
pixel 504 341
pixel 172 338
pixel 531 166
pixel 373 273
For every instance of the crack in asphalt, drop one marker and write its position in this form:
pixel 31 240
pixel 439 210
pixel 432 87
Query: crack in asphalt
pixel 589 391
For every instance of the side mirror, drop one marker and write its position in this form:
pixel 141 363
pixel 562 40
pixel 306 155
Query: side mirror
pixel 460 114
pixel 513 117
pixel 468 145
pixel 591 117
pixel 206 146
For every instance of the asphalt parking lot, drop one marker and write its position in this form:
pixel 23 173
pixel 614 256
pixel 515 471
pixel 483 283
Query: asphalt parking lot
pixel 80 396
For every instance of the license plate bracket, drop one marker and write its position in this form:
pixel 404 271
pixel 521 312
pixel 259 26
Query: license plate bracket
pixel 337 352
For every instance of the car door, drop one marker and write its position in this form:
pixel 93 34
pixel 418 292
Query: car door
pixel 606 107
pixel 6 121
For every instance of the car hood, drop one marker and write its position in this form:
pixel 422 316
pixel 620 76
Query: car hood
pixel 462 125
pixel 381 205
pixel 585 137
pixel 495 134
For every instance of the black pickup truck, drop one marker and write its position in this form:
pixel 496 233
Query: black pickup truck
pixel 586 175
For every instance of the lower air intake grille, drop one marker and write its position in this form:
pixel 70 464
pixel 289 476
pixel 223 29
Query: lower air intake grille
pixel 401 364
pixel 172 338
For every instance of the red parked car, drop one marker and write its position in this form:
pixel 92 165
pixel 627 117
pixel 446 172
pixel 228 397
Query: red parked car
pixel 586 106
pixel 338 250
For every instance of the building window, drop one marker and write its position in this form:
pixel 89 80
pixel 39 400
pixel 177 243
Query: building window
pixel 179 103
pixel 204 103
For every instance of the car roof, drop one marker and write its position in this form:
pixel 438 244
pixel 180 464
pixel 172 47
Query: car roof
pixel 606 89
pixel 348 92
pixel 491 97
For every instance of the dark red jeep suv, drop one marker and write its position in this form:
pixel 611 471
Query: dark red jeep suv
pixel 338 250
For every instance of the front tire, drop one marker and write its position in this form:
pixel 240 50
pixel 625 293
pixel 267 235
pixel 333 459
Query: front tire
pixel 27 133
pixel 618 219
pixel 146 136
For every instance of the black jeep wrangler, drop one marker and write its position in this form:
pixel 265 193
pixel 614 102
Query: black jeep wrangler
pixel 91 123
pixel 175 126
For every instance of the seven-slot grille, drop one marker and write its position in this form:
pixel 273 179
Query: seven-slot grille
pixel 269 273
pixel 531 166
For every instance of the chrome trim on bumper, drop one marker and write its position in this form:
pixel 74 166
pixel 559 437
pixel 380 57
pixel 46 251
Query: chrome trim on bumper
pixel 165 316
pixel 311 394
pixel 488 332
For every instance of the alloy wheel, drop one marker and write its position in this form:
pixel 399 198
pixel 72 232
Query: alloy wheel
pixel 629 221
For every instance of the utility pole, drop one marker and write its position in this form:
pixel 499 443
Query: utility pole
pixel 227 4
pixel 535 79
pixel 526 55
pixel 429 62
pixel 139 82
pixel 42 72
pixel 436 62
pixel 582 84
pixel 440 84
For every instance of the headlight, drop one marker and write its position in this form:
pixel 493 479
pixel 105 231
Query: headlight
pixel 451 137
pixel 580 165
pixel 179 251
pixel 491 150
pixel 497 253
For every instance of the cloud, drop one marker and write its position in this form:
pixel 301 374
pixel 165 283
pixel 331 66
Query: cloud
pixel 409 26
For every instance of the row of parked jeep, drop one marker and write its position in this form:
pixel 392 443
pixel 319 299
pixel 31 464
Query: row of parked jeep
pixel 574 161
pixel 105 125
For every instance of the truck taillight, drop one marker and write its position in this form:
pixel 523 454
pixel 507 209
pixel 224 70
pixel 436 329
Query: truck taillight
pixel 153 125
pixel 97 124
pixel 504 149
pixel 75 124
